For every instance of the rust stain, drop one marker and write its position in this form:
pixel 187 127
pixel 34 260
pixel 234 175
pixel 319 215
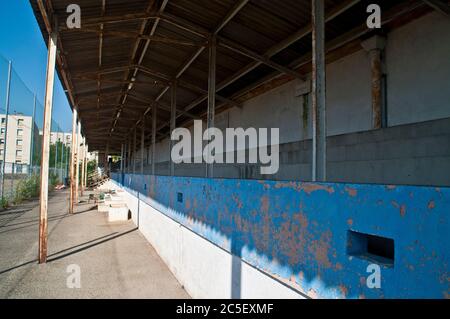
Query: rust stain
pixel 265 204
pixel 306 187
pixel 431 205
pixel 238 201
pixel 353 192
pixel 188 204
pixel 401 208
pixel 313 294
pixel 343 290
pixel 320 248
pixel 391 187
pixel 310 188
pixel 350 222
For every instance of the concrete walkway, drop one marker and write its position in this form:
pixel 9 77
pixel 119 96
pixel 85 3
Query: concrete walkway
pixel 115 260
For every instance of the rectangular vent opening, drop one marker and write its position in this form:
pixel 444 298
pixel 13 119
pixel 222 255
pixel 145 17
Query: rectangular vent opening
pixel 180 197
pixel 376 248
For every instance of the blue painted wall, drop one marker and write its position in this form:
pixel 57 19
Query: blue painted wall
pixel 298 232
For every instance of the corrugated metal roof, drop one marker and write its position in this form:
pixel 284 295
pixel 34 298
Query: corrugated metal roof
pixel 258 26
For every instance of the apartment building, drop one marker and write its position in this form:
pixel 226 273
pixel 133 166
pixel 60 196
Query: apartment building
pixel 18 131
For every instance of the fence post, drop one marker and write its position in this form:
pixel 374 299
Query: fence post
pixel 8 90
pixel 32 135
pixel 13 173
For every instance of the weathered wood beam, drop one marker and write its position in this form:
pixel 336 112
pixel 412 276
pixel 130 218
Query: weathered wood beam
pixel 43 193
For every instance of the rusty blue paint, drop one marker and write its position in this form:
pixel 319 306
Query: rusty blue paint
pixel 297 231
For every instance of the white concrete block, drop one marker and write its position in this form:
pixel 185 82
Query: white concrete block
pixel 117 212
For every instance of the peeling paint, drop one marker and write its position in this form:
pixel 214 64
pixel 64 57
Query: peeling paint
pixel 297 232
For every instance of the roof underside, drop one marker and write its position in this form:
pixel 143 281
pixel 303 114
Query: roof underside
pixel 124 59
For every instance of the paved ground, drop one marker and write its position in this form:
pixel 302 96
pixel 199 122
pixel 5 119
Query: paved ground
pixel 115 260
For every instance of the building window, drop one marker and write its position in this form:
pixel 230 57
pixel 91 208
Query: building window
pixel 1 152
pixel 19 132
pixel 19 142
pixel 20 122
pixel 3 121
pixel 19 153
pixel 3 130
pixel 2 141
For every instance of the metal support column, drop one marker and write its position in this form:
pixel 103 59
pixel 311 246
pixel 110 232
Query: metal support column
pixel 142 145
pixel 375 46
pixel 121 157
pixel 134 151
pixel 318 92
pixel 211 93
pixel 173 120
pixel 46 130
pixel 154 114
pixel 32 133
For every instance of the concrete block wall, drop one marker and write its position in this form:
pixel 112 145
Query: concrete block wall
pixel 410 154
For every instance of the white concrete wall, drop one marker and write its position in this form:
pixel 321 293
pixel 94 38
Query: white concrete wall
pixel 204 269
pixel 418 67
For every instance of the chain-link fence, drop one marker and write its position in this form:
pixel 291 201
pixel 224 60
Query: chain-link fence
pixel 21 120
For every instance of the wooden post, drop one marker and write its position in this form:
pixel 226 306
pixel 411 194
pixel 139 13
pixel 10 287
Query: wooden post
pixel 173 120
pixel 46 130
pixel 77 163
pixel 318 92
pixel 83 162
pixel 211 93
pixel 154 114
pixel 72 160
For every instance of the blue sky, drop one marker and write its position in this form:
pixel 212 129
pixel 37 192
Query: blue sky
pixel 21 42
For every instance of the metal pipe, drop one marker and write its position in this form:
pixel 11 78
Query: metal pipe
pixel 154 114
pixel 32 132
pixel 211 94
pixel 142 145
pixel 318 92
pixel 173 117
pixel 8 92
